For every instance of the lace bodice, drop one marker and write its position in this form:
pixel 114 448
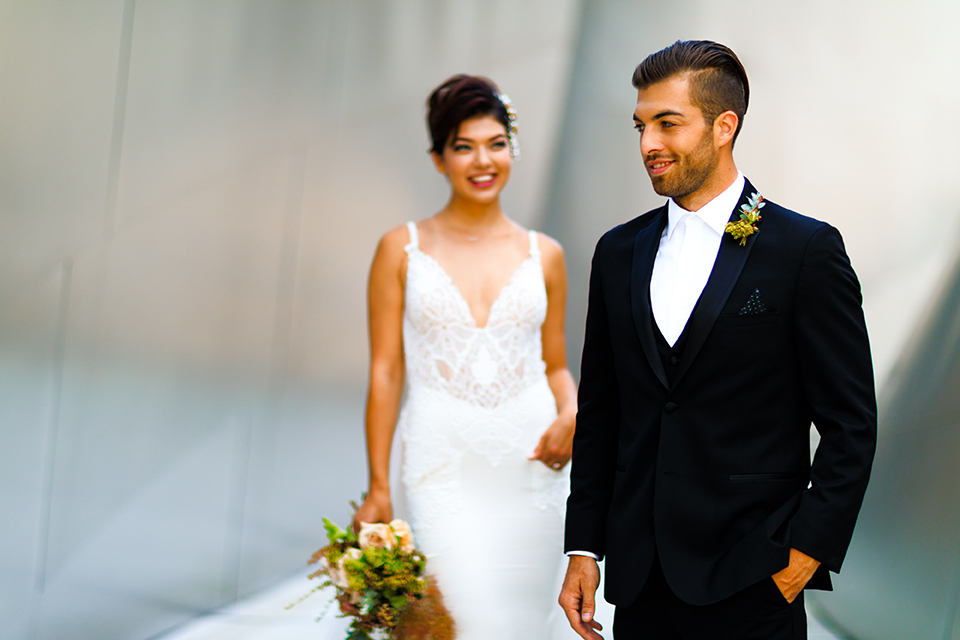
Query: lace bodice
pixel 444 348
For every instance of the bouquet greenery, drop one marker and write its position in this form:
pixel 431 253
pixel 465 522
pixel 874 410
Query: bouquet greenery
pixel 379 578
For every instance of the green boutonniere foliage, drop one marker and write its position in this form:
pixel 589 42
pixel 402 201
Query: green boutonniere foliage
pixel 749 219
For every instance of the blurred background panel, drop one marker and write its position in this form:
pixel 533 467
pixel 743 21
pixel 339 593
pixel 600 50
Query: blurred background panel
pixel 191 193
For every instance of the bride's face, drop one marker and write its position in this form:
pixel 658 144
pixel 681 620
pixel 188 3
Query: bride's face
pixel 477 160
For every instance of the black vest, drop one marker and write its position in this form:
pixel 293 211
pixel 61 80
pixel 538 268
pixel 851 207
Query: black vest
pixel 671 356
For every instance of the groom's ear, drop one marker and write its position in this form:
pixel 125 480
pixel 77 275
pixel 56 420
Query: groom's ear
pixel 725 128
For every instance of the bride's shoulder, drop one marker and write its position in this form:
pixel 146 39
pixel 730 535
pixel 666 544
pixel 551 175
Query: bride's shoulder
pixel 391 251
pixel 402 235
pixel 398 237
pixel 552 260
pixel 395 241
pixel 550 249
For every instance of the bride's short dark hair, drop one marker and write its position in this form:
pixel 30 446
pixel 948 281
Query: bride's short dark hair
pixel 460 98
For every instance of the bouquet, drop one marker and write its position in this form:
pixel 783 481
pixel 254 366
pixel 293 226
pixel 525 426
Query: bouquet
pixel 379 578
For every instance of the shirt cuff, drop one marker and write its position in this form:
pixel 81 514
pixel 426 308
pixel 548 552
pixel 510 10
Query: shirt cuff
pixel 584 553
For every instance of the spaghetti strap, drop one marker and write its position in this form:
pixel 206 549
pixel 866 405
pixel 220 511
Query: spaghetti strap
pixel 534 244
pixel 414 239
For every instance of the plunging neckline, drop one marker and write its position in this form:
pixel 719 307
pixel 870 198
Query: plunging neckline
pixel 459 294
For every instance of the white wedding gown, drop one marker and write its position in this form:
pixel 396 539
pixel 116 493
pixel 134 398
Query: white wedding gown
pixel 489 520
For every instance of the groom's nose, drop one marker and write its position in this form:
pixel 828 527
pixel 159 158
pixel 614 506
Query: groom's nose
pixel 650 142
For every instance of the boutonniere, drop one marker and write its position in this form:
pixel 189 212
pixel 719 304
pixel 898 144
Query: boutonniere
pixel 749 219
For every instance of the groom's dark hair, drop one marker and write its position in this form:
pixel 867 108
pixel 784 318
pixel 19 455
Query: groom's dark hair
pixel 718 81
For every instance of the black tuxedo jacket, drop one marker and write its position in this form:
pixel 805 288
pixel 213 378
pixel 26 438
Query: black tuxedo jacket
pixel 713 472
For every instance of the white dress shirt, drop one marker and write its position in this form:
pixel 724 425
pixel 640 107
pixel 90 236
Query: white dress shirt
pixel 688 249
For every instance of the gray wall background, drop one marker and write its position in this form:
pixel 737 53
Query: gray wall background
pixel 191 192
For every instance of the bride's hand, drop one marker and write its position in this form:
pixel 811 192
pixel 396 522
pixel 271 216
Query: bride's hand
pixel 556 444
pixel 375 508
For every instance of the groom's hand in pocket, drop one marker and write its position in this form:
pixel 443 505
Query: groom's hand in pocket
pixel 796 575
pixel 579 594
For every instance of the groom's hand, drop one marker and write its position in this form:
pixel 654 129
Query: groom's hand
pixel 795 577
pixel 578 596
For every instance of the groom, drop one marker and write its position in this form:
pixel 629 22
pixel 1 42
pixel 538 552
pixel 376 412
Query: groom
pixel 710 348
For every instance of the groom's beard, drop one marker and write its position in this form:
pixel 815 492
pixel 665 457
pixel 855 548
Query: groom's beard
pixel 690 172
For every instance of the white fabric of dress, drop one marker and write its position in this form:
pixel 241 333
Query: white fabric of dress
pixel 489 519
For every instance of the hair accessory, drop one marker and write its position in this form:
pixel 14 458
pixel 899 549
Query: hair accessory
pixel 512 129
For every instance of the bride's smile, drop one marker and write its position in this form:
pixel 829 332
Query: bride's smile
pixel 477 161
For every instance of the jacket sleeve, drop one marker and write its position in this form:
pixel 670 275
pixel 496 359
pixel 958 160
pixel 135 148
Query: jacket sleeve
pixel 598 418
pixel 837 377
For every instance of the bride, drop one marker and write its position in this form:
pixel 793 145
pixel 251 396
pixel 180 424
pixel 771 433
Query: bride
pixel 468 307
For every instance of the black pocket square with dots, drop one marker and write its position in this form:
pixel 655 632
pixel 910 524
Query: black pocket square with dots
pixel 754 305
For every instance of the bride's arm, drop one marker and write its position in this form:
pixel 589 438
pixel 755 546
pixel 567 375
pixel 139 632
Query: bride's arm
pixel 556 445
pixel 385 317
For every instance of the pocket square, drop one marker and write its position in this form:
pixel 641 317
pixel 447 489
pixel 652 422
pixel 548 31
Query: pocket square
pixel 754 305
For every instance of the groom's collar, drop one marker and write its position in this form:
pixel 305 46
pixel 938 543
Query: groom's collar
pixel 715 213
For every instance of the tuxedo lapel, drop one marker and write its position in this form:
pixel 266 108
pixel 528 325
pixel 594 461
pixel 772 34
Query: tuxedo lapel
pixel 644 252
pixel 726 271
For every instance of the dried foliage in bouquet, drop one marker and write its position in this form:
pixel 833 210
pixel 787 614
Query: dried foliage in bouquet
pixel 426 618
pixel 379 579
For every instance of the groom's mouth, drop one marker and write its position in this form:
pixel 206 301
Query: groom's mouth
pixel 658 167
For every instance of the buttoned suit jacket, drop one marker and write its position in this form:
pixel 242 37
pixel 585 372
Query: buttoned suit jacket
pixel 712 471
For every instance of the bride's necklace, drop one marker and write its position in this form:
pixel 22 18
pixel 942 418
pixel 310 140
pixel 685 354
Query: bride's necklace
pixel 472 238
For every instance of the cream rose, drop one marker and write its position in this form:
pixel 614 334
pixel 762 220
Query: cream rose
pixel 403 531
pixel 376 535
pixel 338 577
pixel 332 572
pixel 338 574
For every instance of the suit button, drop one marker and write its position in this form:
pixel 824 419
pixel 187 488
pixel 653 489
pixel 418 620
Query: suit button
pixel 674 360
pixel 670 407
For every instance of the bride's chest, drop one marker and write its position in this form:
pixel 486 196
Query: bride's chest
pixel 434 303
